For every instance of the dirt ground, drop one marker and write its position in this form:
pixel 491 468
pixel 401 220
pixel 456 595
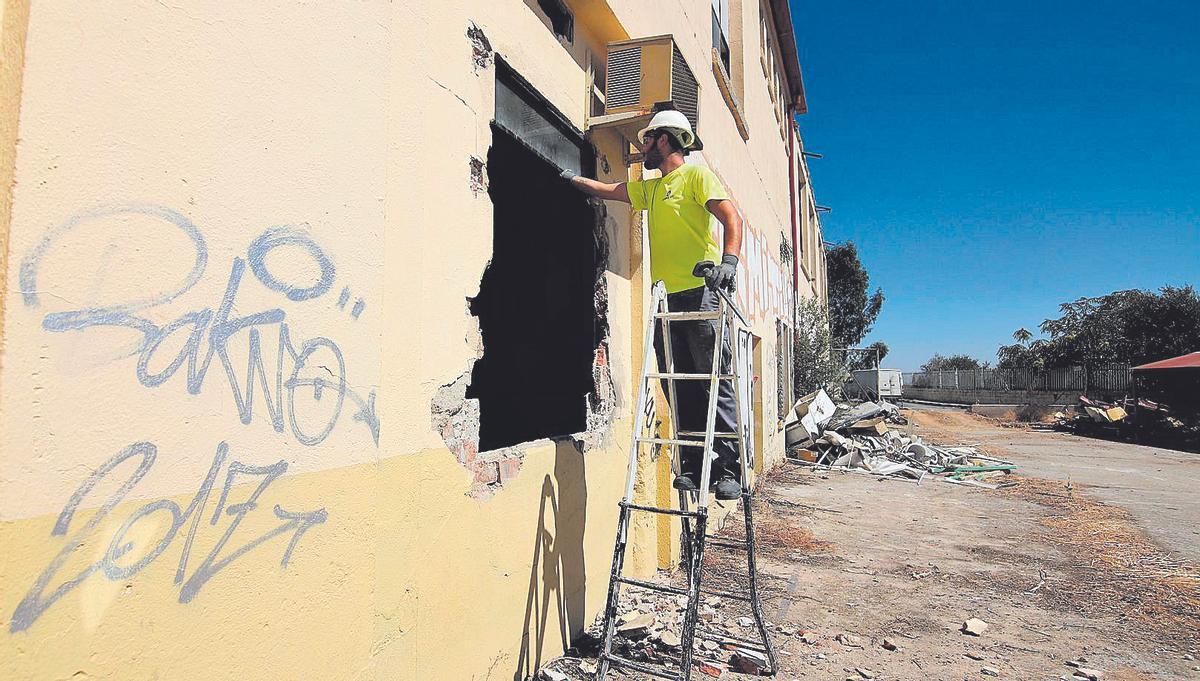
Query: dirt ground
pixel 1058 571
pixel 1156 485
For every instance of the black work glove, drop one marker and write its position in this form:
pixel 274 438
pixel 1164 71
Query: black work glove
pixel 723 276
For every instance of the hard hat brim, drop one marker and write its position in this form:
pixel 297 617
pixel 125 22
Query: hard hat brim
pixel 691 144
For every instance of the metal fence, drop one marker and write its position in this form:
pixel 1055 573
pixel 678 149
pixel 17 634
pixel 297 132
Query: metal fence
pixel 1102 379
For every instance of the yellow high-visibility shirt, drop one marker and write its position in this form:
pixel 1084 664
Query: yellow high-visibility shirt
pixel 681 228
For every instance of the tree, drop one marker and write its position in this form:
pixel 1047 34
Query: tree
pixel 814 365
pixel 865 358
pixel 1025 353
pixel 1133 326
pixel 960 362
pixel 852 311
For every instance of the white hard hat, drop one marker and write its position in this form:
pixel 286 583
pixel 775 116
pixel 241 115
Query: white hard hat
pixel 673 122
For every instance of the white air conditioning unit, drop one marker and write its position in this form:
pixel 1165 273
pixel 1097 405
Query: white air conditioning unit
pixel 642 76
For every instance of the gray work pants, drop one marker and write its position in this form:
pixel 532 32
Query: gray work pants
pixel 692 348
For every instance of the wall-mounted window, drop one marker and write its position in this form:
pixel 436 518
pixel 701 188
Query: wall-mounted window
pixel 784 392
pixel 727 58
pixel 771 64
pixel 720 32
pixel 562 22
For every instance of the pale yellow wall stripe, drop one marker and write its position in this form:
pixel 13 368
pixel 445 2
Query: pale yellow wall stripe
pixel 13 25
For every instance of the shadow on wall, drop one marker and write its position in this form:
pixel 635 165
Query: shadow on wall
pixel 557 576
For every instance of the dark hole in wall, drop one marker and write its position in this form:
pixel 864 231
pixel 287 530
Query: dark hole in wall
pixel 562 22
pixel 536 304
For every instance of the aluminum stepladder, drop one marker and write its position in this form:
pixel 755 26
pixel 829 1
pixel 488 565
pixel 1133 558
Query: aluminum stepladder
pixel 694 531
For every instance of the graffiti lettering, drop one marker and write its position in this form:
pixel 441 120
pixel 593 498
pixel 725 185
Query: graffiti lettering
pixel 41 596
pixel 764 285
pixel 219 327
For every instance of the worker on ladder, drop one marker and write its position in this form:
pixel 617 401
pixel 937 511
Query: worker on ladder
pixel 681 205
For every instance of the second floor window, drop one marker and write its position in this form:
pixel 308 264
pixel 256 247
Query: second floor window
pixel 720 31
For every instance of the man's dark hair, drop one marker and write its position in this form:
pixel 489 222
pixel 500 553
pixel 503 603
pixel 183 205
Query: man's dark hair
pixel 673 142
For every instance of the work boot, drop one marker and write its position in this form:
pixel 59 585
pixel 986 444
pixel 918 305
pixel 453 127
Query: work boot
pixel 685 482
pixel 728 489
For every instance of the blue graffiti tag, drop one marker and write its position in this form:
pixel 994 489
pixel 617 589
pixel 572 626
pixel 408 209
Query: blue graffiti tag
pixel 219 326
pixel 37 600
pixel 289 236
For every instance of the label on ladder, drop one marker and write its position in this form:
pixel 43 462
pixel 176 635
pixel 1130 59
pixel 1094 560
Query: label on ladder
pixel 745 374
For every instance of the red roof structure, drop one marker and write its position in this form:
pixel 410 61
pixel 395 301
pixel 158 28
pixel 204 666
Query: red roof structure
pixel 1188 361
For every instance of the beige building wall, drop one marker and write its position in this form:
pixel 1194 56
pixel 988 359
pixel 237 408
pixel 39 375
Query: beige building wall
pixel 237 258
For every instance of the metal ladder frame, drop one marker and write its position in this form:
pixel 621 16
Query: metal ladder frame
pixel 694 522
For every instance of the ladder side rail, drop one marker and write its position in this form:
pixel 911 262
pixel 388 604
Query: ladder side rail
pixel 669 360
pixel 695 575
pixel 673 432
pixel 755 603
pixel 710 422
pixel 639 422
pixel 639 418
pixel 614 589
pixel 735 368
pixel 744 458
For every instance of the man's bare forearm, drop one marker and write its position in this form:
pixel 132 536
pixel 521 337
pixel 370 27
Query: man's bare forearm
pixel 733 235
pixel 601 190
pixel 727 215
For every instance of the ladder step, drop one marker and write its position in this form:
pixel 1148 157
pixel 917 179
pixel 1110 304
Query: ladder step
pixel 655 509
pixel 676 316
pixel 725 543
pixel 670 441
pixel 652 586
pixel 660 672
pixel 700 433
pixel 726 594
pixel 713 634
pixel 689 377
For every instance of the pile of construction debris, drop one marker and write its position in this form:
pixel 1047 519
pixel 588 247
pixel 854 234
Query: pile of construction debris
pixel 862 438
pixel 1089 411
pixel 1128 418
pixel 650 630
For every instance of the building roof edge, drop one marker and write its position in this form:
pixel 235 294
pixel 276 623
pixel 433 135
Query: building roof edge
pixel 791 55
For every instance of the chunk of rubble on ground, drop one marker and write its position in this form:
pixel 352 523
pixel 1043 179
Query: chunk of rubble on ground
pixel 862 438
pixel 649 629
pixel 974 627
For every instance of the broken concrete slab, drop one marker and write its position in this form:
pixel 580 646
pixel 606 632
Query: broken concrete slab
pixel 748 662
pixel 974 627
pixel 637 626
pixel 849 640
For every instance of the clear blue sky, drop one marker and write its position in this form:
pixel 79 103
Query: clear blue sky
pixel 992 160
